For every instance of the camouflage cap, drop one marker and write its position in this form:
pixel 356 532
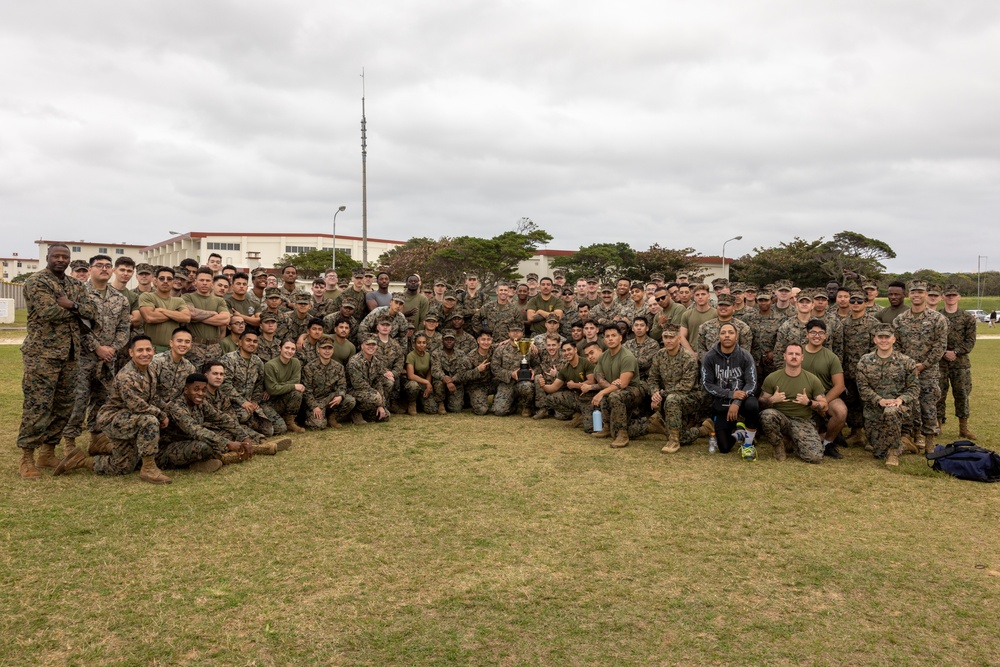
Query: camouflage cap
pixel 917 286
pixel 819 293
pixel 607 288
pixel 782 285
pixel 857 293
pixel 358 273
pixel 558 273
pixel 385 319
pixel 451 295
pixel 552 318
pixel 592 280
pixel 77 264
pixel 326 340
pixel 411 326
pixel 270 292
pixel 720 282
pixel 531 276
pixel 432 317
pixel 347 302
pixel 656 277
pixel 457 316
pixel 268 317
pixel 750 288
pixel 472 275
pixel 737 288
pixel 882 330
pixel 804 296
pixel 869 284
pixel 951 289
pixel 440 281
pixel 670 330
pixel 448 333
pixel 398 296
pixel 637 284
pixel 764 295
pixel 725 300
pixel 936 290
pixel 259 271
pixel 368 274
pixel 369 340
pixel 143 267
pixel 567 290
pixel 303 298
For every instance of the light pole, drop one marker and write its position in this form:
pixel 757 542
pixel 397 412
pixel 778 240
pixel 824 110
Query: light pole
pixel 979 271
pixel 342 208
pixel 725 274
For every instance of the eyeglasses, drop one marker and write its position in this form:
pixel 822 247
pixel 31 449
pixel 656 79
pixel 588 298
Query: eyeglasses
pixel 817 332
pixel 856 300
pixel 101 266
pixel 164 279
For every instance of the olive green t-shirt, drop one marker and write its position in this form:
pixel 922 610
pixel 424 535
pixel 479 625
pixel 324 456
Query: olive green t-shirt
pixel 569 374
pixel 611 367
pixel 212 303
pixel 160 333
pixel 541 305
pixel 692 320
pixel 793 386
pixel 823 364
pixel 342 352
pixel 421 363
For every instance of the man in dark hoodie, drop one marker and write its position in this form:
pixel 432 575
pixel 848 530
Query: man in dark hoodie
pixel 728 373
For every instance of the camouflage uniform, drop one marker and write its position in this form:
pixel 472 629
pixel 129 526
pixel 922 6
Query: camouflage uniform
pixel 471 307
pixel 369 385
pixel 510 392
pixel 50 352
pixel 444 364
pixel 234 430
pixel 397 331
pixel 393 359
pixel 858 341
pixel 330 322
pixel 465 343
pixel 112 326
pixel 802 432
pixel 308 353
pixel 323 383
pixel 961 340
pixel 765 334
pixel 617 408
pixel 193 434
pixel 283 399
pixel 130 420
pixel 567 402
pixel 268 349
pixel 499 317
pixel 683 399
pixel 892 377
pixel 478 384
pixel 834 334
pixel 643 354
pixel 791 331
pixel 708 335
pixel 605 315
pixel 547 367
pixel 297 326
pixel 923 337
pixel 170 377
pixel 245 382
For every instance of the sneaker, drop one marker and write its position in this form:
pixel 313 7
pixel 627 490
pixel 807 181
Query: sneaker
pixel 748 452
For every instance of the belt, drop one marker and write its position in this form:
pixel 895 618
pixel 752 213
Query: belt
pixel 205 341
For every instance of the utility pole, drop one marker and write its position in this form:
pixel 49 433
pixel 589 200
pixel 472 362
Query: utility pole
pixel 364 179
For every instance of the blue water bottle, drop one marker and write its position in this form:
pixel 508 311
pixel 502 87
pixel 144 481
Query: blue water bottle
pixel 598 421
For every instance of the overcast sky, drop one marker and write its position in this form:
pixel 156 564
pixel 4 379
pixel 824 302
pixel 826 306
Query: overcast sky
pixel 678 123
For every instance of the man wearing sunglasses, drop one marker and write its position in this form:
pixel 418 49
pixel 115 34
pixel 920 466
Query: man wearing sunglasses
pixel 161 311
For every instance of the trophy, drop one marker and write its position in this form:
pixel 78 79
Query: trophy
pixel 524 373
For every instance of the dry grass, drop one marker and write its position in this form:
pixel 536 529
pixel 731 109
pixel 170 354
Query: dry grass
pixel 463 540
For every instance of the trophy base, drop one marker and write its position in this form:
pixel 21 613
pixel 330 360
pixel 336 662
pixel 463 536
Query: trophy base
pixel 524 376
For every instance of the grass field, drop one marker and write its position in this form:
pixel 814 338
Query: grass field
pixel 484 541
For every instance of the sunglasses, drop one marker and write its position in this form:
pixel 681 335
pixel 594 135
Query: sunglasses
pixel 661 298
pixel 164 279
pixel 856 300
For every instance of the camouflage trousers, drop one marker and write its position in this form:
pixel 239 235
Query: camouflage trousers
pixel 183 453
pixel 413 392
pixel 48 400
pixel 367 402
pixel 884 427
pixel 925 420
pixel 132 436
pixel 958 374
pixel 200 353
pixel 93 379
pixel 855 406
pixel 680 410
pixel 254 421
pixel 341 411
pixel 617 408
pixel 802 432
pixel 278 407
pixel 510 394
pixel 453 400
pixel 565 402
pixel 479 397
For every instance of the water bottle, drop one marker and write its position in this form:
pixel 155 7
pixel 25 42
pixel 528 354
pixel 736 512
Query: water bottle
pixel 598 421
pixel 713 444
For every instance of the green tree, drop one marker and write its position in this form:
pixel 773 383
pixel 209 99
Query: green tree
pixel 606 261
pixel 667 261
pixel 314 263
pixel 797 261
pixel 21 277
pixel 853 253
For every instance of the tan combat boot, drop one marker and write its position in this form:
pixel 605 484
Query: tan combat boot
pixel 706 429
pixel 928 444
pixel 292 426
pixel 857 438
pixel 673 442
pixel 99 444
pixel 606 433
pixel 411 408
pixel 575 421
pixel 331 421
pixel 265 449
pixel 920 443
pixel 27 470
pixel 208 465
pixel 47 457
pixel 230 458
pixel 892 457
pixel 542 413
pixel 526 411
pixel 442 410
pixel 357 418
pixel 963 430
pixel 781 449
pixel 621 440
pixel 75 459
pixel 906 445
pixel 656 425
pixel 150 473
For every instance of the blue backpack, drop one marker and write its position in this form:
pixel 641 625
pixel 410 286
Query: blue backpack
pixel 965 460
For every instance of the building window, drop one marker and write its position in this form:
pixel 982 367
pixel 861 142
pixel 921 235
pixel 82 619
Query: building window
pixel 299 249
pixel 212 245
pixel 345 251
pixel 102 251
pixel 18 264
pixel 76 248
pixel 119 251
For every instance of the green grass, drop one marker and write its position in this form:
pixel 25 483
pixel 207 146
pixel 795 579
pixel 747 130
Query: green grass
pixel 484 541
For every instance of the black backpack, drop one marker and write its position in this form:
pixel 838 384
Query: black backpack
pixel 965 460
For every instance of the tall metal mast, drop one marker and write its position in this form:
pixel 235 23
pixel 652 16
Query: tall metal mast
pixel 364 179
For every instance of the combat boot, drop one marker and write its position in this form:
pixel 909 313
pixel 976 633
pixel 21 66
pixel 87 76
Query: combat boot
pixel 75 459
pixel 606 433
pixel 857 438
pixel 99 444
pixel 208 465
pixel 920 443
pixel 526 411
pixel 292 426
pixel 267 449
pixel 656 426
pixel 706 429
pixel 396 409
pixel 411 408
pixel 282 444
pixel 150 473
pixel 575 421
pixel 357 418
pixel 230 458
pixel 47 457
pixel 442 410
pixel 673 442
pixel 906 445
pixel 541 414
pixel 27 469
pixel 621 440
pixel 331 421
pixel 928 444
pixel 781 449
pixel 963 430
pixel 892 457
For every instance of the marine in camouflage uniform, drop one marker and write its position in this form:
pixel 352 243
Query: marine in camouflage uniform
pixel 478 382
pixel 499 316
pixel 546 369
pixel 958 371
pixel 397 330
pixel 195 432
pixel 465 342
pixel 606 314
pixel 471 306
pixel 131 421
pixel 618 405
pixel 765 334
pixel 859 335
pixel 393 359
pixel 892 377
pixel 170 375
pixel 222 403
pixel 50 352
pixel 446 363
pixel 675 377
pixel 644 353
pixel 369 386
pixel 112 327
pixel 509 391
pixel 708 332
pixel 245 383
pixel 324 382
pixel 330 322
pixel 566 401
pixel 923 337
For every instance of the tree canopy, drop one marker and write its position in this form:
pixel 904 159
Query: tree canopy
pixel 611 261
pixel 314 263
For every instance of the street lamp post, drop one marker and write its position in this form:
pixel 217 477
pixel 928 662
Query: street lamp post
pixel 725 272
pixel 979 273
pixel 342 208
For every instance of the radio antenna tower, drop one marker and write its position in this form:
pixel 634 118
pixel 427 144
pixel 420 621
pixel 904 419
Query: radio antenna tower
pixel 364 178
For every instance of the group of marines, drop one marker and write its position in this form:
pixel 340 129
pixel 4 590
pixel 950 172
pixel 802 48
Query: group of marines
pixel 204 366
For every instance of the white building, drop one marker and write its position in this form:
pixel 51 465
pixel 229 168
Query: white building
pixel 14 266
pixel 86 249
pixel 250 250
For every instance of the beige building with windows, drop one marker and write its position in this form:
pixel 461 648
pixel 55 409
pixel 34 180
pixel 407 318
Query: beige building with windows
pixel 86 249
pixel 14 266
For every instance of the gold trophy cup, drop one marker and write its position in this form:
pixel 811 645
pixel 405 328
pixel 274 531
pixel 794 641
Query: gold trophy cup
pixel 524 372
